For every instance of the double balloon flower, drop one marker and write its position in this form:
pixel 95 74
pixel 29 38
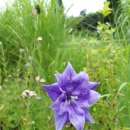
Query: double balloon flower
pixel 73 95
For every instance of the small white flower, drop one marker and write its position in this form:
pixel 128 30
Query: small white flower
pixel 39 39
pixel 42 81
pixel 21 50
pixel 32 93
pixel 25 93
pixel 37 78
pixel 28 93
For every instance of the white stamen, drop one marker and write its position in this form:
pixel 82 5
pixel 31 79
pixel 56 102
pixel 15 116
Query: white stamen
pixel 74 97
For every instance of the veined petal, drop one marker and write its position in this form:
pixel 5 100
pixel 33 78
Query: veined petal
pixel 88 117
pixel 63 81
pixel 59 101
pixel 53 91
pixel 79 83
pixel 76 116
pixel 63 107
pixel 61 120
pixel 88 99
pixel 69 71
pixel 93 85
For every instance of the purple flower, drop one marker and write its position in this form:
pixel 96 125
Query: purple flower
pixel 72 95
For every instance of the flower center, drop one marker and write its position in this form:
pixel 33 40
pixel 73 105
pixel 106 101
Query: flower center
pixel 71 98
pixel 74 97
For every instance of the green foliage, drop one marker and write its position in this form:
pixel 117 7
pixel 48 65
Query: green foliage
pixel 35 46
pixel 21 25
pixel 89 22
pixel 106 10
pixel 116 6
pixel 110 63
pixel 105 63
pixel 105 31
pixel 122 20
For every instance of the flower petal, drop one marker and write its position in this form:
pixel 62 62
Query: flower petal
pixel 65 78
pixel 69 71
pixel 60 104
pixel 76 116
pixel 53 91
pixel 93 85
pixel 63 81
pixel 61 120
pixel 89 99
pixel 79 83
pixel 88 117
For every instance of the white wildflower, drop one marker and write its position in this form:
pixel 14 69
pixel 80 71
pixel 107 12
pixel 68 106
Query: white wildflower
pixel 28 93
pixel 37 78
pixel 42 80
pixel 21 50
pixel 33 94
pixel 39 39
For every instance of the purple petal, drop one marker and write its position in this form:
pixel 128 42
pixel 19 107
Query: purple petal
pixel 63 107
pixel 63 81
pixel 60 104
pixel 88 117
pixel 89 99
pixel 61 120
pixel 69 71
pixel 93 85
pixel 53 91
pixel 76 116
pixel 57 103
pixel 79 83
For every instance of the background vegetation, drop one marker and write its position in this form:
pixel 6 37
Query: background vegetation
pixel 36 43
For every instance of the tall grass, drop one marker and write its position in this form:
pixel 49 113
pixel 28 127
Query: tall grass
pixel 20 26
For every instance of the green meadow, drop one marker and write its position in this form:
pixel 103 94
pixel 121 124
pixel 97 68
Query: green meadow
pixel 36 45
